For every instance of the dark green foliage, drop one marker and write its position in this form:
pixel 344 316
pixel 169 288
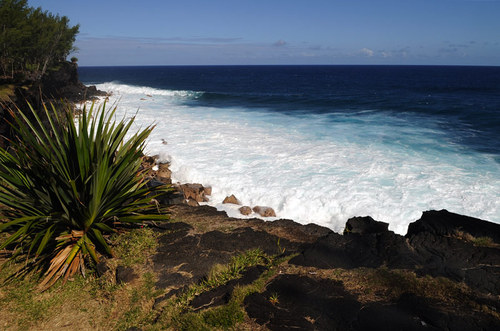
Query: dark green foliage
pixel 65 187
pixel 32 40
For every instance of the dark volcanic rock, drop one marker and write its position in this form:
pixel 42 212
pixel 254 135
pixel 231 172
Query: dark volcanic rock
pixel 428 248
pixel 444 223
pixel 292 302
pixel 303 303
pixel 458 260
pixel 64 83
pixel 195 255
pixel 243 239
pixel 365 225
pixel 355 250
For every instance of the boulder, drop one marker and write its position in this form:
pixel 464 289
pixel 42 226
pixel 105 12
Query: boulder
pixel 264 211
pixel 192 202
pixel 163 173
pixel 193 191
pixel 208 190
pixel 231 199
pixel 365 225
pixel 245 210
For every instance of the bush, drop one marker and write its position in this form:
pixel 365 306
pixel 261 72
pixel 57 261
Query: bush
pixel 66 184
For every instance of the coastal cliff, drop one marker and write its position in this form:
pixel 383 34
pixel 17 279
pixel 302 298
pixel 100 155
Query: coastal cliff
pixel 60 84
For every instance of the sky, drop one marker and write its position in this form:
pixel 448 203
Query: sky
pixel 220 32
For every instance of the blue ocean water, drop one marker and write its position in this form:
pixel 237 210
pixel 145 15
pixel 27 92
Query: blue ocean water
pixel 324 143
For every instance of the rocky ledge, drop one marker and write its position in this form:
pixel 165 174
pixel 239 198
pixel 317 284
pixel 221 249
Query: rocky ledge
pixel 58 85
pixel 444 274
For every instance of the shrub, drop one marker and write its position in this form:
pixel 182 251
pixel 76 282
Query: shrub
pixel 66 183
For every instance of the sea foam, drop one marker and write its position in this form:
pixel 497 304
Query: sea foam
pixel 319 169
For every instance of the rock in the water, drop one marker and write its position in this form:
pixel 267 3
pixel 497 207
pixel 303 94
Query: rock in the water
pixel 264 211
pixel 245 210
pixel 231 199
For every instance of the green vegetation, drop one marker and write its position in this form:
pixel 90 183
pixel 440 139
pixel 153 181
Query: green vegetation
pixel 83 303
pixel 62 190
pixel 476 241
pixel 134 246
pixel 99 303
pixel 32 40
pixel 177 313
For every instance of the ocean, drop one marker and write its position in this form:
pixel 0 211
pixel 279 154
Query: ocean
pixel 321 144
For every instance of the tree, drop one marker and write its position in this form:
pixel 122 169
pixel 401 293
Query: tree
pixel 32 40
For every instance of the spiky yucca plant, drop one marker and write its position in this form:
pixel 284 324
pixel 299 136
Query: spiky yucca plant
pixel 64 185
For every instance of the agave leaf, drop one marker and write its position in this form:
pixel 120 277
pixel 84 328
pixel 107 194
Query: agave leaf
pixel 48 235
pixel 68 184
pixel 101 241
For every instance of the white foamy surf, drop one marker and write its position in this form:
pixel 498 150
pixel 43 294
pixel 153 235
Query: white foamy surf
pixel 319 169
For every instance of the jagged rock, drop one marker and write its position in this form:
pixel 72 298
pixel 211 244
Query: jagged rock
pixel 424 251
pixel 208 190
pixel 444 223
pixel 148 161
pixel 365 225
pixel 245 210
pixel 193 191
pixel 125 274
pixel 64 83
pixel 192 202
pixel 264 211
pixel 231 199
pixel 163 173
pixel 172 198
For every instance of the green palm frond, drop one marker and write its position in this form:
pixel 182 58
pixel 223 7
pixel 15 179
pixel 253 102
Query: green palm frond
pixel 66 182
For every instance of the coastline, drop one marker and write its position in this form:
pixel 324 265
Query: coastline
pixel 310 167
pixel 442 274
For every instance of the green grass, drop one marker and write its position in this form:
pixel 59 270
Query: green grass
pixel 128 244
pixel 84 303
pixel 483 242
pixel 99 303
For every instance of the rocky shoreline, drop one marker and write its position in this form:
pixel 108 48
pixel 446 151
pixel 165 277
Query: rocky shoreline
pixel 444 274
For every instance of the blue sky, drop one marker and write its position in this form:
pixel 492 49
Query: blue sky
pixel 189 32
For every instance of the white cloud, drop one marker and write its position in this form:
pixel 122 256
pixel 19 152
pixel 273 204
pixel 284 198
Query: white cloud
pixel 367 52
